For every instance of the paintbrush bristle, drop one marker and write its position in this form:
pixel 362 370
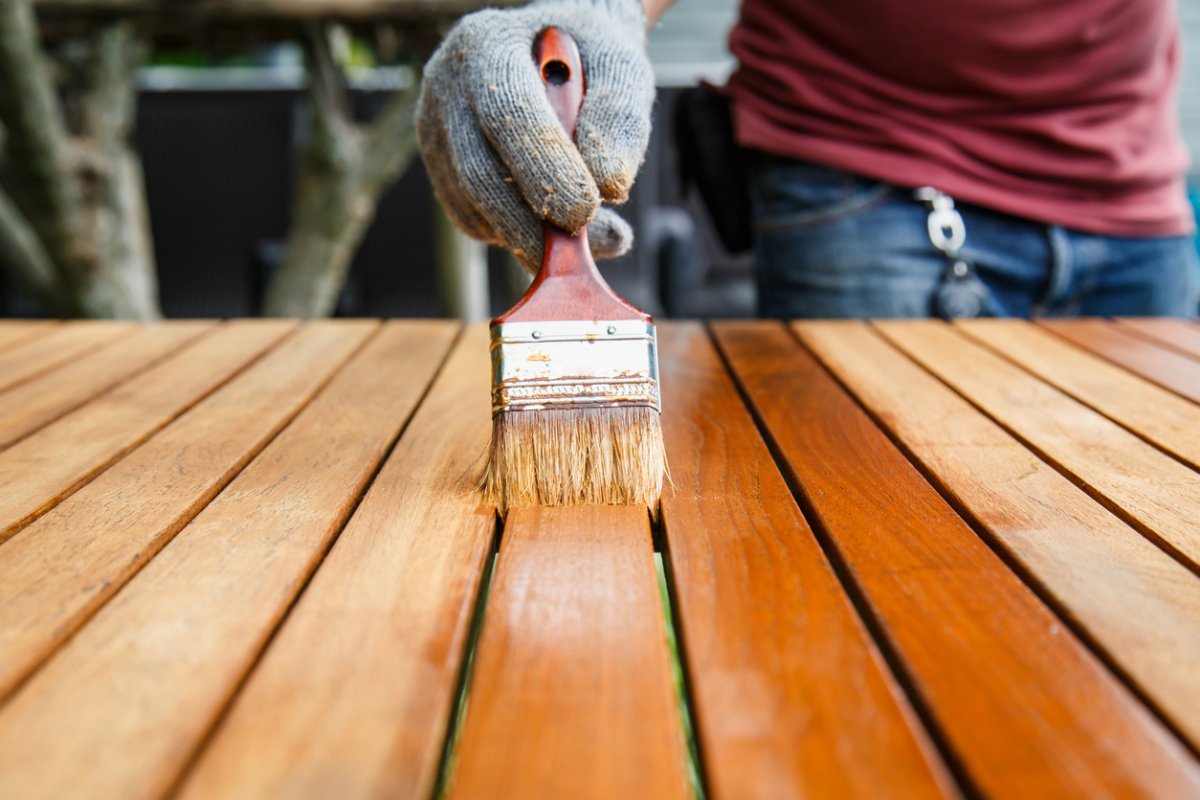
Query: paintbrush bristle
pixel 576 456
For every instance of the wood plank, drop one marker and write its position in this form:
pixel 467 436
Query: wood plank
pixel 1135 603
pixel 17 331
pixel 1147 488
pixel 1168 368
pixel 1027 710
pixel 572 693
pixel 42 400
pixel 389 613
pixel 1173 333
pixel 792 699
pixel 1161 417
pixel 120 708
pixel 60 345
pixel 42 469
pixel 58 571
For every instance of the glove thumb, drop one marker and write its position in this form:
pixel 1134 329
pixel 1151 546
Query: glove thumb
pixel 609 236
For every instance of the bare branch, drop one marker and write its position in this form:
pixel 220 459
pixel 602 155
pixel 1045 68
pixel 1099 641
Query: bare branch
pixel 38 163
pixel 332 130
pixel 391 140
pixel 23 257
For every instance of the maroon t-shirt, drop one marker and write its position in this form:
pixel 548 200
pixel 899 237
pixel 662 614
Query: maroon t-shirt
pixel 1056 110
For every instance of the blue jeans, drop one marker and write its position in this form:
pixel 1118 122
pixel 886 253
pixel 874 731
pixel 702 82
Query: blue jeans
pixel 834 244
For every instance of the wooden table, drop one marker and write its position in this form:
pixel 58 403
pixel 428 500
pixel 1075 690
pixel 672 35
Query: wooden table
pixel 900 559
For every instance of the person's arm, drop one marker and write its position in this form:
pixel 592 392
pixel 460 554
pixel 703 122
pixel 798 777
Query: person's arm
pixel 654 10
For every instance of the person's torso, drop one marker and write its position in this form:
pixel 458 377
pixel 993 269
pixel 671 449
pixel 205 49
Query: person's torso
pixel 1069 98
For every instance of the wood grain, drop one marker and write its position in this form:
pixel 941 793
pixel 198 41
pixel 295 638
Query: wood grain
pixel 58 346
pixel 43 468
pixel 1137 604
pixel 16 331
pixel 120 708
pixel 58 571
pixel 1026 709
pixel 42 400
pixel 572 693
pixel 1166 367
pixel 792 697
pixel 1173 333
pixel 1149 489
pixel 353 697
pixel 1161 417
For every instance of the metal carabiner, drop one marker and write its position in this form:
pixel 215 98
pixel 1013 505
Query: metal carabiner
pixel 945 224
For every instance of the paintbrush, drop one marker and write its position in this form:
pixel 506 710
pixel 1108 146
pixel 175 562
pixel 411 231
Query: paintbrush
pixel 575 398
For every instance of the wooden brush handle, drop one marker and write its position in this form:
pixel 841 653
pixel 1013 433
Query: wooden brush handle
pixel 568 286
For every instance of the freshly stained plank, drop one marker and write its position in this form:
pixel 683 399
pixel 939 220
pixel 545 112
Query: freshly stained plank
pixel 353 696
pixel 41 469
pixel 37 402
pixel 1146 487
pixel 1166 367
pixel 1026 708
pixel 571 693
pixel 1173 333
pixel 58 571
pixel 1139 605
pixel 792 698
pixel 62 344
pixel 1157 415
pixel 14 332
pixel 120 708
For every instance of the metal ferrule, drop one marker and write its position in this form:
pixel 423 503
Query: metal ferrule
pixel 540 365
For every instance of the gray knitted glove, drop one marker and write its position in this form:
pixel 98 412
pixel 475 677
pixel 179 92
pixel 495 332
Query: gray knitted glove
pixel 497 156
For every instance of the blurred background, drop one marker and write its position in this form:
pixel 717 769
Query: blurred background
pixel 225 128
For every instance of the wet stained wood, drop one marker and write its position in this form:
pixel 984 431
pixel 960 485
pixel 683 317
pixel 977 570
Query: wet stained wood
pixel 1167 367
pixel 45 467
pixel 15 331
pixel 119 709
pixel 37 402
pixel 1157 415
pixel 59 345
pixel 571 693
pixel 353 696
pixel 980 650
pixel 1175 334
pixel 792 699
pixel 1138 605
pixel 1146 487
pixel 58 572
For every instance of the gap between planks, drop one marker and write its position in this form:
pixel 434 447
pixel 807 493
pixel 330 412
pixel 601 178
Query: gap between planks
pixel 57 346
pixel 46 466
pixel 1155 362
pixel 1175 334
pixel 120 707
pixel 39 401
pixel 790 695
pixel 58 572
pixel 1162 418
pixel 353 697
pixel 1150 490
pixel 572 693
pixel 1135 604
pixel 979 647
pixel 14 332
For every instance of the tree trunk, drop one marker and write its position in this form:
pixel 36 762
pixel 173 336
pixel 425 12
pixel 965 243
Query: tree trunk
pixel 344 169
pixel 76 188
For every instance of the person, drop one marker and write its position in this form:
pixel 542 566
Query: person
pixel 946 157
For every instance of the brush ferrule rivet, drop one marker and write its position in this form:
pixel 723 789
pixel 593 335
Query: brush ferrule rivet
pixel 536 334
pixel 612 329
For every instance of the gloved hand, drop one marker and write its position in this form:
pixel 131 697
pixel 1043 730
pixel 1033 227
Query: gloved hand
pixel 496 153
